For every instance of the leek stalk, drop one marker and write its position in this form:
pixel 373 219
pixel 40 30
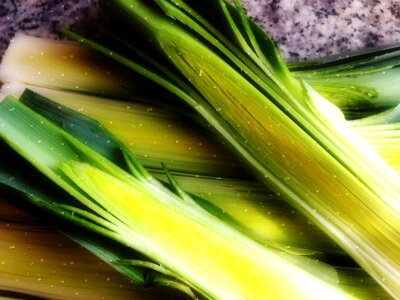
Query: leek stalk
pixel 129 206
pixel 164 126
pixel 188 154
pixel 358 82
pixel 39 262
pixel 52 260
pixel 290 136
pixel 75 62
pixel 366 129
pixel 260 212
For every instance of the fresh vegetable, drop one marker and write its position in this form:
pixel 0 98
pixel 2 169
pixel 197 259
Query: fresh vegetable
pixel 59 269
pixel 359 82
pixel 379 135
pixel 158 135
pixel 37 262
pixel 189 154
pixel 131 207
pixel 31 187
pixel 293 139
pixel 34 62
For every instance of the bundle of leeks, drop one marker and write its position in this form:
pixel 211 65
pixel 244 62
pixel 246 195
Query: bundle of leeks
pixel 267 218
pixel 359 83
pixel 190 284
pixel 37 262
pixel 293 139
pixel 104 189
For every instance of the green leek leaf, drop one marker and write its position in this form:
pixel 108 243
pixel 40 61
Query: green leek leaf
pixel 293 139
pixel 137 211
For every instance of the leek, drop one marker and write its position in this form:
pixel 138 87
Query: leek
pixel 132 208
pixel 162 127
pixel 38 261
pixel 263 215
pixel 189 150
pixel 52 260
pixel 357 82
pixel 156 134
pixel 49 57
pixel 76 101
pixel 290 136
pixel 68 66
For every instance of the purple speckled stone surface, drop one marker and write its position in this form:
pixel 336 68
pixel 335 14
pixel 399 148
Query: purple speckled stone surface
pixel 45 17
pixel 315 28
pixel 303 29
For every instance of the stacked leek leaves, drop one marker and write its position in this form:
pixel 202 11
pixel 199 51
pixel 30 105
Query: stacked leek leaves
pixel 37 262
pixel 77 89
pixel 130 207
pixel 197 162
pixel 51 65
pixel 359 83
pixel 158 135
pixel 292 138
pixel 19 179
pixel 349 277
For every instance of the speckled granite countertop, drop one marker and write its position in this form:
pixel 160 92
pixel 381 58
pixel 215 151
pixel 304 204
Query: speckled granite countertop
pixel 302 28
pixel 44 17
pixel 313 28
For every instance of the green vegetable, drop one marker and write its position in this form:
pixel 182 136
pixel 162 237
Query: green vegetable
pixel 158 135
pixel 131 207
pixel 264 225
pixel 293 139
pixel 359 82
pixel 372 129
pixel 38 262
pixel 84 73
